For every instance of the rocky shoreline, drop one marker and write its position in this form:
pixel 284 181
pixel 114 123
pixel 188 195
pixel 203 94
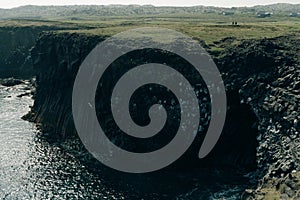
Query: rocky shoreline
pixel 262 79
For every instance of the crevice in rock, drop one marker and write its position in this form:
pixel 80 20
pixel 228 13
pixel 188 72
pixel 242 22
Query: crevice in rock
pixel 237 144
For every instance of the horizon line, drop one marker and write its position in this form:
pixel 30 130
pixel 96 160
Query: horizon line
pixel 179 6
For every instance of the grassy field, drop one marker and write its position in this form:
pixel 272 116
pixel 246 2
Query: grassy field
pixel 207 27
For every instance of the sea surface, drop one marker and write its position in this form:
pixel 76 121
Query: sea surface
pixel 32 167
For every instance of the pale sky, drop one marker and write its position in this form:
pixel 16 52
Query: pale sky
pixel 220 3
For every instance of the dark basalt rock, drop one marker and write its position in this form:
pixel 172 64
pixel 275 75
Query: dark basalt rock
pixel 15 45
pixel 56 60
pixel 266 75
pixel 11 82
pixel 262 83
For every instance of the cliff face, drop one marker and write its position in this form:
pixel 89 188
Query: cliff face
pixel 15 45
pixel 266 75
pixel 262 79
pixel 56 59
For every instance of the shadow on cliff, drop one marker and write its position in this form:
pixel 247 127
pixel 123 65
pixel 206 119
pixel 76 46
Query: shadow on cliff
pixel 235 158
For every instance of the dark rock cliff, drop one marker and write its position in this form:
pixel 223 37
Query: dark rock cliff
pixel 15 45
pixel 56 59
pixel 14 50
pixel 262 79
pixel 266 76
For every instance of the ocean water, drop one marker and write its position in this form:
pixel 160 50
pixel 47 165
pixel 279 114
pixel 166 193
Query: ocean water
pixel 32 167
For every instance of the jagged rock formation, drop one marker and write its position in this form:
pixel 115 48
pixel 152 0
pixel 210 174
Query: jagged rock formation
pixel 262 83
pixel 56 67
pixel 266 75
pixel 11 82
pixel 15 45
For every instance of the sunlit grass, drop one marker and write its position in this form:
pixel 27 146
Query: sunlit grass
pixel 207 27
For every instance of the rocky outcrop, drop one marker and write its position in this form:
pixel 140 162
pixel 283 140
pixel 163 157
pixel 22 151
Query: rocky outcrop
pixel 11 82
pixel 262 82
pixel 56 58
pixel 15 45
pixel 14 50
pixel 266 75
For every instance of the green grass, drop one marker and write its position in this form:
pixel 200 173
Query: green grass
pixel 210 32
pixel 207 27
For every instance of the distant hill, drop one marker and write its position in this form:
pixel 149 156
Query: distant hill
pixel 43 12
pixel 280 7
